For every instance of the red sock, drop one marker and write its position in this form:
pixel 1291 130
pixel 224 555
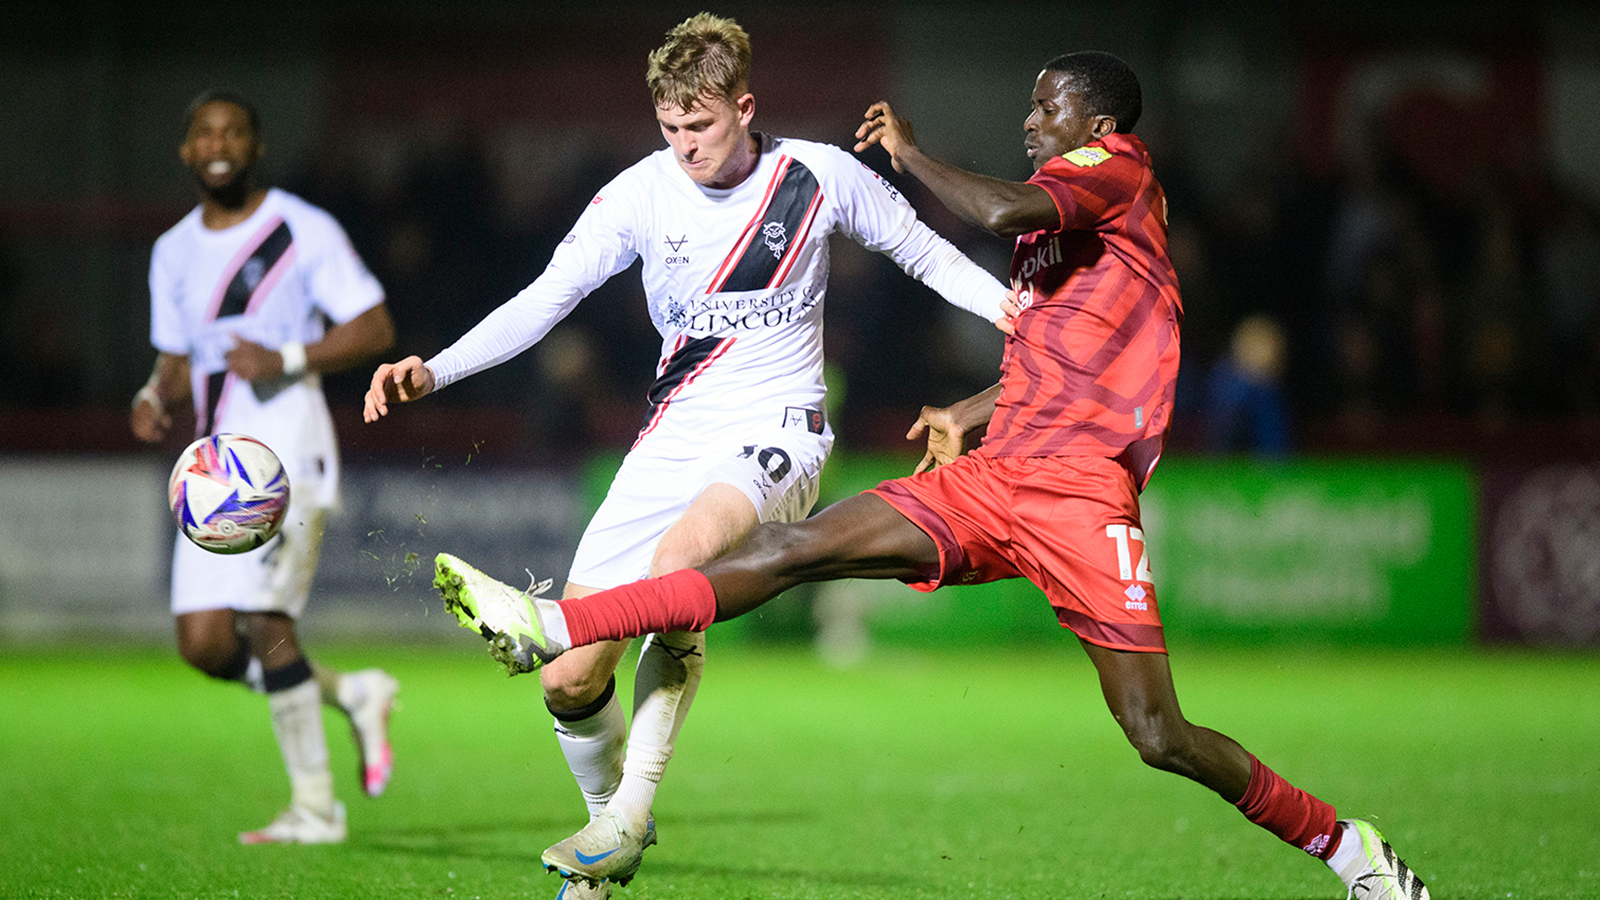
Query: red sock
pixel 681 601
pixel 1288 812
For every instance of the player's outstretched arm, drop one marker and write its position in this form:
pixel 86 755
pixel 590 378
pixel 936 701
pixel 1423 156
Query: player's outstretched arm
pixel 398 382
pixel 1002 207
pixel 949 427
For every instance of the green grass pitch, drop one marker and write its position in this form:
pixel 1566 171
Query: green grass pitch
pixel 919 774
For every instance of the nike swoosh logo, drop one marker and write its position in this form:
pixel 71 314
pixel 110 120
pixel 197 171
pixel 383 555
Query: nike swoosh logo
pixel 591 860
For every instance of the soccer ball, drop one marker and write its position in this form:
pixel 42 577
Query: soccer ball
pixel 228 493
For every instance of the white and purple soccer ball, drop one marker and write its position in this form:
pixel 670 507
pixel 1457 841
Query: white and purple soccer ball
pixel 228 493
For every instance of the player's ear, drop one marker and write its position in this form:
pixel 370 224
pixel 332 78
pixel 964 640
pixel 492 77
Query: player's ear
pixel 1103 125
pixel 747 108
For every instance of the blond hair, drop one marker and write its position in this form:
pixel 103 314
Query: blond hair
pixel 706 56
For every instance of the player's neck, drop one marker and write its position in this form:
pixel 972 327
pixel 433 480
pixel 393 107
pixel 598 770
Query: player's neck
pixel 745 164
pixel 217 216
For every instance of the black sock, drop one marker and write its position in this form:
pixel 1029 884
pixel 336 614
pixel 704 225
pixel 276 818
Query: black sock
pixel 285 677
pixel 588 709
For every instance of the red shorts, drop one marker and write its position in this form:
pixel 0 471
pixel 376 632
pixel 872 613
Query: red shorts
pixel 1069 524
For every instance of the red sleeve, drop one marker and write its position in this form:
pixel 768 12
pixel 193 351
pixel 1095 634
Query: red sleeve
pixel 1091 186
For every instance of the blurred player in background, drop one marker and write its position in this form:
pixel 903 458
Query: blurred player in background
pixel 732 227
pixel 253 295
pixel 1073 432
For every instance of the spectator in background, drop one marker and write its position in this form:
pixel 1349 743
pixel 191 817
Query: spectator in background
pixel 1245 409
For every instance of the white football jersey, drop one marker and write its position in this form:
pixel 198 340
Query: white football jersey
pixel 734 279
pixel 278 276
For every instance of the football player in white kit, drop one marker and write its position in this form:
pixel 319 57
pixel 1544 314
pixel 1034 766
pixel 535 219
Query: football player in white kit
pixel 253 295
pixel 732 228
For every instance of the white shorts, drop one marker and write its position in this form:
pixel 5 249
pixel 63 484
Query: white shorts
pixel 778 469
pixel 275 577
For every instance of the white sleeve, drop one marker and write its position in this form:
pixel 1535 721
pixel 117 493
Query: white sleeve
pixel 879 218
pixel 341 285
pixel 168 331
pixel 599 246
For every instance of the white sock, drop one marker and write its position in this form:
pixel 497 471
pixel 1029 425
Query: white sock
pixel 593 747
pixel 669 673
pixel 1347 855
pixel 297 723
pixel 553 622
pixel 253 676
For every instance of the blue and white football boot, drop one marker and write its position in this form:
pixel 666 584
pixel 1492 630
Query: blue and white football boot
pixel 602 851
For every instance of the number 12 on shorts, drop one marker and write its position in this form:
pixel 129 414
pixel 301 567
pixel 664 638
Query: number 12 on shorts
pixel 1121 534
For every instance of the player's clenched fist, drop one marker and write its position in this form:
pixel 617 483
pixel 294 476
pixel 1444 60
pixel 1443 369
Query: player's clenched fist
pixel 400 382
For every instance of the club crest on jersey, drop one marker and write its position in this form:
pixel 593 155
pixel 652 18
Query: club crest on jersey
pixel 1087 156
pixel 776 236
pixel 254 268
pixel 803 417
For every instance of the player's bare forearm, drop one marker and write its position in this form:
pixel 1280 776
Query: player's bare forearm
pixel 950 428
pixel 1005 208
pixel 973 414
pixel 1002 207
pixel 352 342
pixel 344 345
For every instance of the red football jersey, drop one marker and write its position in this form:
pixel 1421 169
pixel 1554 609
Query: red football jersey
pixel 1093 364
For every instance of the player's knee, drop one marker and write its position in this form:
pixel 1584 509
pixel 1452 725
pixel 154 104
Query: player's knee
pixel 788 549
pixel 572 688
pixel 1162 744
pixel 217 654
pixel 675 559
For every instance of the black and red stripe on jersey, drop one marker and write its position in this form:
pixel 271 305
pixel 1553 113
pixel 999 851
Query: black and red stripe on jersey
pixel 770 243
pixel 691 357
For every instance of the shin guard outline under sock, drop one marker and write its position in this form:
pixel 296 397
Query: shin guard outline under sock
pixel 592 738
